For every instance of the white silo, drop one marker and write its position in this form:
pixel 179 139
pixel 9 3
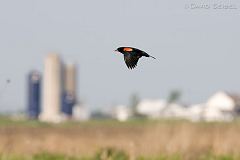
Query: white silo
pixel 52 83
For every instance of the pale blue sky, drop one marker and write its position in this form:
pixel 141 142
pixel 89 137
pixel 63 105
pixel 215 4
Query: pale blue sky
pixel 197 50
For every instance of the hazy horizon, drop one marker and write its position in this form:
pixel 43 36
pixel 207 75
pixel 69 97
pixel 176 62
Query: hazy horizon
pixel 197 49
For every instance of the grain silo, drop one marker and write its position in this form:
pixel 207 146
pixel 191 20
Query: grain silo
pixel 51 111
pixel 69 89
pixel 34 94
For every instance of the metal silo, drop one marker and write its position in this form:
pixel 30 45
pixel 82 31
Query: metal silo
pixel 68 101
pixel 34 94
pixel 69 89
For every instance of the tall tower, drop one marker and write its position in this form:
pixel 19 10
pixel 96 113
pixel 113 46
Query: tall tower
pixel 70 78
pixel 51 111
pixel 69 89
pixel 34 91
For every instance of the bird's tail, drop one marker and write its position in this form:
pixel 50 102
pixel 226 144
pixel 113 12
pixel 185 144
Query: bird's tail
pixel 147 55
pixel 152 57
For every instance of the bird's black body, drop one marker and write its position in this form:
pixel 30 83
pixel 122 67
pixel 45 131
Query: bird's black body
pixel 132 55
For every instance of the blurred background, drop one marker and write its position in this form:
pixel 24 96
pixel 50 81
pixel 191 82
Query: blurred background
pixel 65 93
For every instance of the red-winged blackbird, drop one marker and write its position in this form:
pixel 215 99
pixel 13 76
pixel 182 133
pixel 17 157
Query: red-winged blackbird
pixel 131 55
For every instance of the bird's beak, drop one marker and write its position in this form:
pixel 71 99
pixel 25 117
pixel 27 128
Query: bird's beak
pixel 116 50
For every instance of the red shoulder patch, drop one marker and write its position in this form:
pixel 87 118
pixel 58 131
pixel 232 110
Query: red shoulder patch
pixel 127 49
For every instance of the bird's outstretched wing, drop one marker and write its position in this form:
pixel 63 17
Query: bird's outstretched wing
pixel 131 61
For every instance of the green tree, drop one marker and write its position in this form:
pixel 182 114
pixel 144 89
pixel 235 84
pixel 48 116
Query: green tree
pixel 174 96
pixel 134 100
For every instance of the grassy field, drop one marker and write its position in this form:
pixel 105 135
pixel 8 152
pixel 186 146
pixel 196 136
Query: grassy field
pixel 141 140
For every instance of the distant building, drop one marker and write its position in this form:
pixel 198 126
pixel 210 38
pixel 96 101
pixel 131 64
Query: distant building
pixel 173 110
pixel 222 106
pixel 52 86
pixel 156 109
pixel 121 113
pixel 69 89
pixel 34 94
pixel 151 108
pixel 80 113
pixel 195 112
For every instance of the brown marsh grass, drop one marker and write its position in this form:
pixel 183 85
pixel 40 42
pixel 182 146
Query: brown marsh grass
pixel 147 139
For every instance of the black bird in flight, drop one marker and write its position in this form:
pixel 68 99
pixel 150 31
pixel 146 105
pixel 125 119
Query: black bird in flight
pixel 132 55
